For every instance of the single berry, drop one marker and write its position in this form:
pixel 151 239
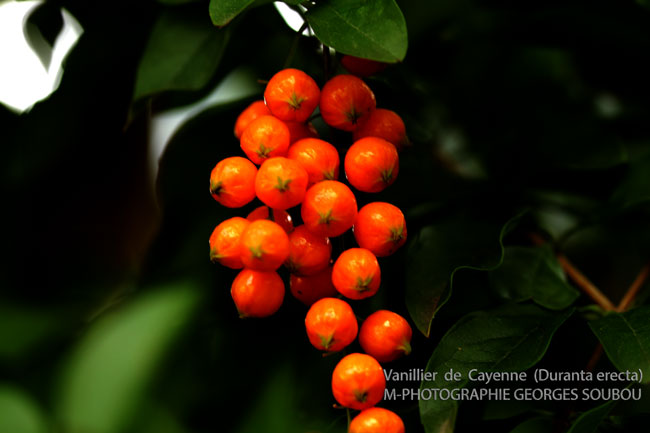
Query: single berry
pixel 318 157
pixel 329 208
pixel 371 164
pixel 384 124
pixel 376 420
pixel 281 183
pixel 292 95
pixel 356 273
pixel 309 253
pixel 298 131
pixel 264 246
pixel 385 336
pixel 362 67
pixel 257 293
pixel 279 216
pixel 225 242
pixel 232 181
pixel 381 228
pixel 265 137
pixel 345 101
pixel 250 113
pixel 331 324
pixel 310 288
pixel 358 381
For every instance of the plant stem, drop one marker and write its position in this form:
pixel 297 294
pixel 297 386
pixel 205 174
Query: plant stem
pixel 634 288
pixel 583 282
pixel 294 45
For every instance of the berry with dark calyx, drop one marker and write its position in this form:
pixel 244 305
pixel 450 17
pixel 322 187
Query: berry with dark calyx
pixel 318 157
pixel 253 111
pixel 310 288
pixel 358 381
pixel 232 181
pixel 281 183
pixel 309 253
pixel 362 67
pixel 385 336
pixel 292 95
pixel 279 216
pixel 298 131
pixel 329 208
pixel 257 293
pixel 265 137
pixel 345 101
pixel 381 228
pixel 264 246
pixel 371 164
pixel 225 242
pixel 331 324
pixel 384 124
pixel 376 420
pixel 356 273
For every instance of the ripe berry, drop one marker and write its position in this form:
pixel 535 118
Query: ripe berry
pixel 381 228
pixel 318 157
pixel 384 124
pixel 356 273
pixel 292 95
pixel 264 246
pixel 331 324
pixel 250 113
pixel 281 183
pixel 376 420
pixel 225 242
pixel 345 100
pixel 362 67
pixel 257 293
pixel 310 288
pixel 329 208
pixel 265 137
pixel 385 336
pixel 309 253
pixel 279 216
pixel 232 181
pixel 371 164
pixel 358 381
pixel 298 131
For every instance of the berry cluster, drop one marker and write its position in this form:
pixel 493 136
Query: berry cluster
pixel 287 166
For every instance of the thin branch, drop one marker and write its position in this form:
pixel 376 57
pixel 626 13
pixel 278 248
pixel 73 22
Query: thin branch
pixel 633 290
pixel 583 282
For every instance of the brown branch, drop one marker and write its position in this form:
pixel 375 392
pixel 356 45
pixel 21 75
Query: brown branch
pixel 583 282
pixel 633 290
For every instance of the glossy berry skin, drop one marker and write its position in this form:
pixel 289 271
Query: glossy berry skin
pixel 318 157
pixel 253 111
pixel 356 273
pixel 265 137
pixel 329 208
pixel 225 242
pixel 331 324
pixel 362 67
pixel 385 336
pixel 371 164
pixel 381 228
pixel 232 181
pixel 310 288
pixel 281 183
pixel 292 95
pixel 358 381
pixel 384 124
pixel 264 246
pixel 309 253
pixel 298 131
pixel 279 216
pixel 345 101
pixel 376 420
pixel 257 293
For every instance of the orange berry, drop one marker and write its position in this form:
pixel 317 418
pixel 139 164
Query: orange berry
pixel 250 113
pixel 384 124
pixel 310 288
pixel 331 324
pixel 309 253
pixel 356 273
pixel 281 183
pixel 292 95
pixel 381 228
pixel 318 157
pixel 329 208
pixel 279 216
pixel 344 102
pixel 225 242
pixel 298 131
pixel 362 67
pixel 232 181
pixel 257 293
pixel 264 246
pixel 385 336
pixel 376 420
pixel 265 137
pixel 358 381
pixel 371 164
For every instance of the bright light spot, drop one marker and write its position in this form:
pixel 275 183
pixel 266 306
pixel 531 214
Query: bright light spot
pixel 23 79
pixel 291 17
pixel 607 105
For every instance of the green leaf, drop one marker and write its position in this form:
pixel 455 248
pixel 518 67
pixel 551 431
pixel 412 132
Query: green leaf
pixel 626 339
pixel 589 421
pixel 183 53
pixel 534 425
pixel 223 12
pixel 533 273
pixel 633 189
pixel 105 378
pixel 372 29
pixel 19 413
pixel 437 252
pixel 510 338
